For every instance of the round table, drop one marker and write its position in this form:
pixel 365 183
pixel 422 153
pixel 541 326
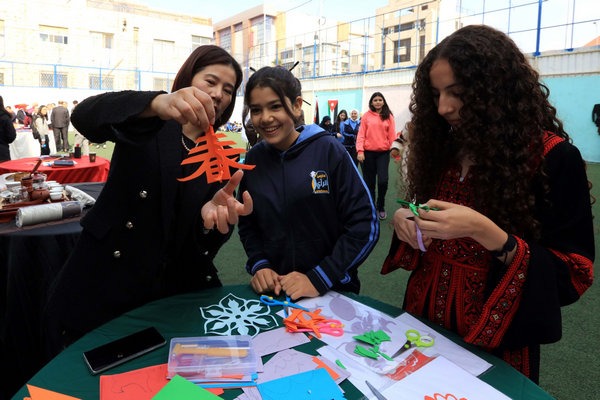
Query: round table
pixel 179 316
pixel 82 171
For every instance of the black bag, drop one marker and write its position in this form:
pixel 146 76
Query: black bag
pixel 34 130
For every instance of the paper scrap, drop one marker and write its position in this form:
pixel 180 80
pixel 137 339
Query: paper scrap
pixel 181 388
pixel 37 393
pixel 139 384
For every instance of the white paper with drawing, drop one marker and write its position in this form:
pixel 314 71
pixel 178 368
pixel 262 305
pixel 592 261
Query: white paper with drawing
pixel 359 319
pixel 440 379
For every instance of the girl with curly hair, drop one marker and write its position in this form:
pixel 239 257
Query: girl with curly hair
pixel 508 237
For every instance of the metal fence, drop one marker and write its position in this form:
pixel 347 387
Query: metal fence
pixel 393 40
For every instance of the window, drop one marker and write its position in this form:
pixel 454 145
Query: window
pixel 101 40
pixel 402 50
pixel 198 41
pixel 225 39
pixel 163 52
pixel 101 82
pixel 2 43
pixel 50 79
pixel 287 54
pixel 54 34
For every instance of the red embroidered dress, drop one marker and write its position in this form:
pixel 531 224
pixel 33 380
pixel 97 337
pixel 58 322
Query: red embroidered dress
pixel 458 285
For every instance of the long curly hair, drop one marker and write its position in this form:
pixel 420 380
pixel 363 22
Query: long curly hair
pixel 503 118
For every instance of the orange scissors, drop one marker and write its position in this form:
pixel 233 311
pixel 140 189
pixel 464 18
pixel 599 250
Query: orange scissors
pixel 306 321
pixel 331 327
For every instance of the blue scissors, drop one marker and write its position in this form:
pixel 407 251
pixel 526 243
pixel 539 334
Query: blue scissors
pixel 270 301
pixel 414 339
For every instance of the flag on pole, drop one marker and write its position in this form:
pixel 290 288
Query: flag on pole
pixel 316 120
pixel 333 107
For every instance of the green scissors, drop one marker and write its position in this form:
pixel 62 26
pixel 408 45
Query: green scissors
pixel 414 339
pixel 415 207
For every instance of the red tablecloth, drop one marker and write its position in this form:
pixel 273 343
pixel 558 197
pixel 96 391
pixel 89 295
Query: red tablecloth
pixel 82 171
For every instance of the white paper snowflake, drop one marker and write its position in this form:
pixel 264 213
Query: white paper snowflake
pixel 236 316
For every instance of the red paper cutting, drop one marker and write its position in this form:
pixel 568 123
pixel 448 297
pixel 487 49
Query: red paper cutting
pixel 215 160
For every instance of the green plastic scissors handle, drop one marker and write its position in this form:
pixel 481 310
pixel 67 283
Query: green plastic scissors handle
pixel 419 340
pixel 415 207
pixel 414 339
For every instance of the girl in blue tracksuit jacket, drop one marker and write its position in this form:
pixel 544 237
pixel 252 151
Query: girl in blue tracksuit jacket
pixel 314 221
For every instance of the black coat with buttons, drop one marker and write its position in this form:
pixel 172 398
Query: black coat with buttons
pixel 143 239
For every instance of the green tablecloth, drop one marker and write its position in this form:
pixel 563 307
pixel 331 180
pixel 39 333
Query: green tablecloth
pixel 179 316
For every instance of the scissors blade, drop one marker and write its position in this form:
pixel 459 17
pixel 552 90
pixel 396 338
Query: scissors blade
pixel 376 392
pixel 402 349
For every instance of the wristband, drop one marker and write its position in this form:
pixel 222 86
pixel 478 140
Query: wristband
pixel 511 243
pixel 420 239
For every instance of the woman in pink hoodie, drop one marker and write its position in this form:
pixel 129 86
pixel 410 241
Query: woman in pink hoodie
pixel 375 137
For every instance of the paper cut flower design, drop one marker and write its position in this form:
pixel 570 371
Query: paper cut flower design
pixel 236 316
pixel 438 396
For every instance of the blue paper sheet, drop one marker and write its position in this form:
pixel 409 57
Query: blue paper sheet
pixel 310 385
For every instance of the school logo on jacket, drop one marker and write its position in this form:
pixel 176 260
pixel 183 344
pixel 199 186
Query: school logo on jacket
pixel 320 182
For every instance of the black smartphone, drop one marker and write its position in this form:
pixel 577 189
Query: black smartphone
pixel 118 351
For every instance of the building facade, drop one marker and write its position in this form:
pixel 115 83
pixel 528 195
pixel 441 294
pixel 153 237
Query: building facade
pixel 95 44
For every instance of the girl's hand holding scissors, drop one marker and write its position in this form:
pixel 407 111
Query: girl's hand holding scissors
pixel 452 221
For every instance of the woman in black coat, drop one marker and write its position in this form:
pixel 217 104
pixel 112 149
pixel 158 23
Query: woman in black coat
pixel 149 235
pixel 7 132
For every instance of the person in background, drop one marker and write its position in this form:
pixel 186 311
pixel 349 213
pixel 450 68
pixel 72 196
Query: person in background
pixel 40 120
pixel 313 223
pixel 399 153
pixel 248 132
pixel 60 120
pixel 337 124
pixel 327 125
pixel 11 112
pixel 79 140
pixel 596 116
pixel 375 137
pixel 50 108
pixel 8 134
pixel 349 129
pixel 508 238
pixel 149 235
pixel 22 118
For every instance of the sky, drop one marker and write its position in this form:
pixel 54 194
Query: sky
pixel 219 10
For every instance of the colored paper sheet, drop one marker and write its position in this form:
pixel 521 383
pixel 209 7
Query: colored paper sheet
pixel 303 386
pixel 181 388
pixel 139 384
pixel 37 393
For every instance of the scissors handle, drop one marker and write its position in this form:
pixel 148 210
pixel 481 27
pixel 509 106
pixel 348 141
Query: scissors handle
pixel 414 208
pixel 269 300
pixel 419 340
